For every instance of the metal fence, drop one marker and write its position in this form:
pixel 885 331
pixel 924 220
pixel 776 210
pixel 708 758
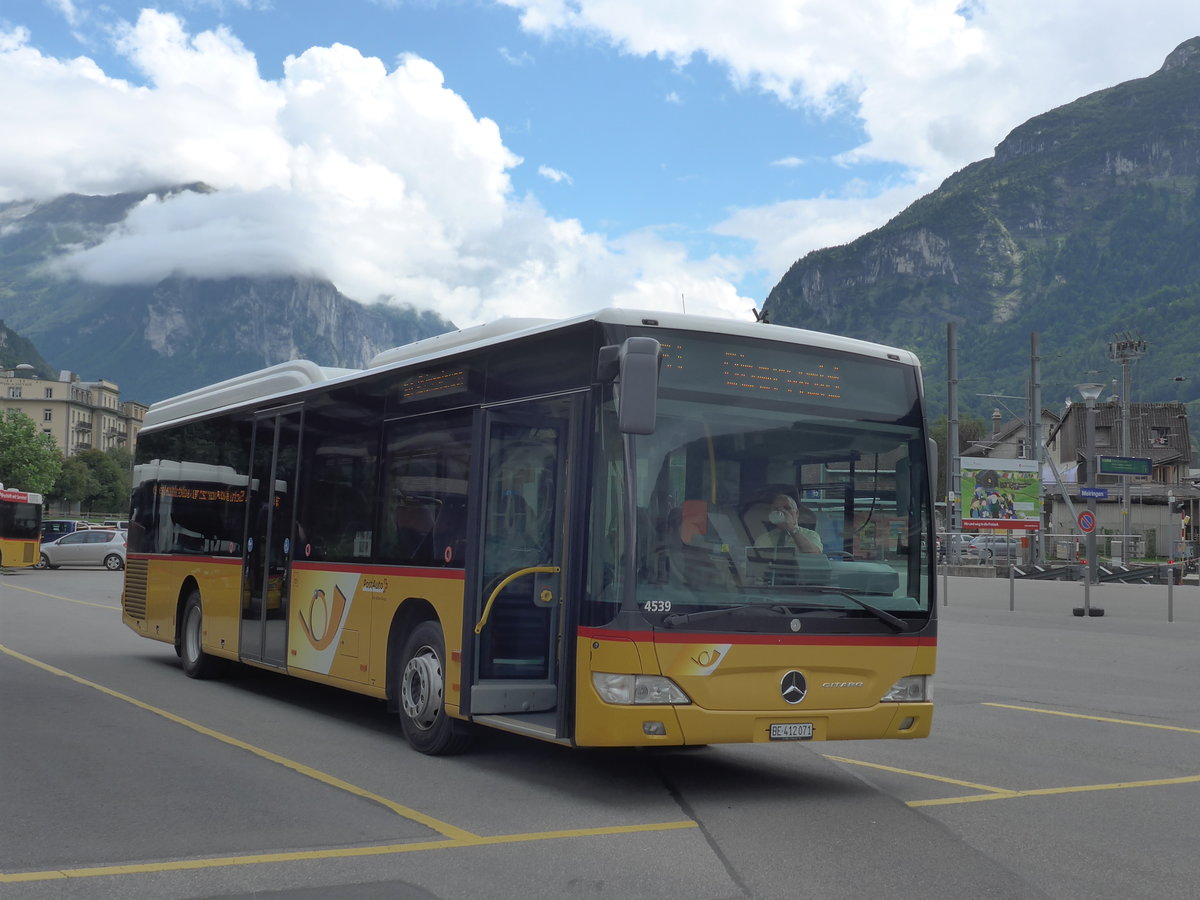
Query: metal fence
pixel 1034 548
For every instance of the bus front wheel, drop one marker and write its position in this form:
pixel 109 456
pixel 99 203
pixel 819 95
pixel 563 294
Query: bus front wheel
pixel 196 663
pixel 421 693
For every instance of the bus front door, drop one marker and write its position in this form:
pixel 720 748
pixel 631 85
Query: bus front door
pixel 269 538
pixel 526 524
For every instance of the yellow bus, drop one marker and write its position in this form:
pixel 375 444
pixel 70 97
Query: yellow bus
pixel 622 529
pixel 20 528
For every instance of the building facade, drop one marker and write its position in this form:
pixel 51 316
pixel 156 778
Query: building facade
pixel 1163 513
pixel 79 415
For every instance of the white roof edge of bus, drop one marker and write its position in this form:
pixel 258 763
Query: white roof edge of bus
pixel 473 334
pixel 301 373
pixel 746 328
pixel 493 332
pixel 285 376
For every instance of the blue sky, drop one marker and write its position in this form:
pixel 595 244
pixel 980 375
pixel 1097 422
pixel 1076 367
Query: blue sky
pixel 532 156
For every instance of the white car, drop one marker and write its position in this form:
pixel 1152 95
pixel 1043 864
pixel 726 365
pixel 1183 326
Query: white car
pixel 93 547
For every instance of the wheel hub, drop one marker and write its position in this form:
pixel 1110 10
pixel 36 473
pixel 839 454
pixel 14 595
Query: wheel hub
pixel 421 688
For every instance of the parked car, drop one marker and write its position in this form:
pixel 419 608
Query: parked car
pixel 994 546
pixel 87 547
pixel 56 528
pixel 115 523
pixel 950 541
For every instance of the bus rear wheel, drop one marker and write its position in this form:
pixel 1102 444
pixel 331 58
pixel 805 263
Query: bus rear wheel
pixel 421 693
pixel 196 663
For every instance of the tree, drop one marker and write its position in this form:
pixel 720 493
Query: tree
pixel 75 482
pixel 29 459
pixel 110 470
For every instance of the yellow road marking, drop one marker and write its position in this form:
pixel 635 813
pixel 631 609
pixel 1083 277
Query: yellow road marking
pixel 1070 715
pixel 57 597
pixel 1047 792
pixel 443 828
pixel 995 793
pixel 456 837
pixel 345 853
pixel 925 775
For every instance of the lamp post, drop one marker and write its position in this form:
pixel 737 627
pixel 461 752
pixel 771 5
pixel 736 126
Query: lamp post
pixel 1090 393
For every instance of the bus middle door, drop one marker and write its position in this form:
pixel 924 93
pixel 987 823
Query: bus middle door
pixel 265 576
pixel 525 528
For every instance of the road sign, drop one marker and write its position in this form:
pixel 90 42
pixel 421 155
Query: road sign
pixel 1125 465
pixel 1094 493
pixel 1087 522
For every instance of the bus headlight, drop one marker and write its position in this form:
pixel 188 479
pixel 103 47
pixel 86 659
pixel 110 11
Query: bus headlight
pixel 630 689
pixel 910 689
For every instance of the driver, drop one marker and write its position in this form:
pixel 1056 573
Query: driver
pixel 788 532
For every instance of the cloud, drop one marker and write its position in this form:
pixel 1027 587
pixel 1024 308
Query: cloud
pixel 520 60
pixel 381 180
pixel 935 83
pixel 554 175
pixel 932 84
pixel 782 233
pixel 788 162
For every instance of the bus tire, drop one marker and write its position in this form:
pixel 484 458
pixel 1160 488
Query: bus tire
pixel 196 663
pixel 420 692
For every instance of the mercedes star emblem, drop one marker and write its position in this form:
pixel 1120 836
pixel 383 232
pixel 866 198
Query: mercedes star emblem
pixel 793 687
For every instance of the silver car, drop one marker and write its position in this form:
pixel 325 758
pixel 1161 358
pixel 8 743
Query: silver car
pixel 995 546
pixel 93 547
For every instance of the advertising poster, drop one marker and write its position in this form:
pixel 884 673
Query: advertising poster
pixel 1000 494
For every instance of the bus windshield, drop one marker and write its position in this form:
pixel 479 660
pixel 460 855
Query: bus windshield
pixel 784 487
pixel 766 511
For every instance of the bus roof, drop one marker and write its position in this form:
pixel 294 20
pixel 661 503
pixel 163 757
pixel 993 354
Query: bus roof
pixel 296 375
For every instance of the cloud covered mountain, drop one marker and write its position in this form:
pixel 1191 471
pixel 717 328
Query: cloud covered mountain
pixel 170 332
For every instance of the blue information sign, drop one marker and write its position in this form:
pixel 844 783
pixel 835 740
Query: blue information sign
pixel 1094 493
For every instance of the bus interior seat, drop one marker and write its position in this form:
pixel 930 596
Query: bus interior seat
pixel 413 519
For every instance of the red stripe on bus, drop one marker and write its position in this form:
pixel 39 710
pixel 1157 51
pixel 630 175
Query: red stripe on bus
pixel 204 560
pixel 400 571
pixel 698 637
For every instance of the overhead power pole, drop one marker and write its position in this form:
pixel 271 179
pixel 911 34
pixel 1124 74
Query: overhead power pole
pixel 1125 348
pixel 953 476
pixel 1034 439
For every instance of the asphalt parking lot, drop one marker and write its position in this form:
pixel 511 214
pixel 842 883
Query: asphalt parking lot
pixel 1064 763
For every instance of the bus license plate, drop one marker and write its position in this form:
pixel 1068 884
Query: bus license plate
pixel 791 731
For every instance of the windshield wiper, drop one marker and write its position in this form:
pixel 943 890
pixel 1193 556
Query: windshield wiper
pixel 895 621
pixel 684 618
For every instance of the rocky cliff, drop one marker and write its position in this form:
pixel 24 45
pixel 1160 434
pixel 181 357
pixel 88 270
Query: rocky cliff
pixel 1084 222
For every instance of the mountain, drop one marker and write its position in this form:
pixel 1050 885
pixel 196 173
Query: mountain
pixel 157 340
pixel 1084 224
pixel 16 350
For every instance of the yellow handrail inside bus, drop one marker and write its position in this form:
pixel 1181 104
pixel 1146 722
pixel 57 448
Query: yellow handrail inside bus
pixel 487 607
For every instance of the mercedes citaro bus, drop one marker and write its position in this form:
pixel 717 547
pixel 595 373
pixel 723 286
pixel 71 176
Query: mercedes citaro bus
pixel 562 529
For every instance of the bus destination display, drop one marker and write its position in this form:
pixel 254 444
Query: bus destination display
pixel 777 371
pixel 433 384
